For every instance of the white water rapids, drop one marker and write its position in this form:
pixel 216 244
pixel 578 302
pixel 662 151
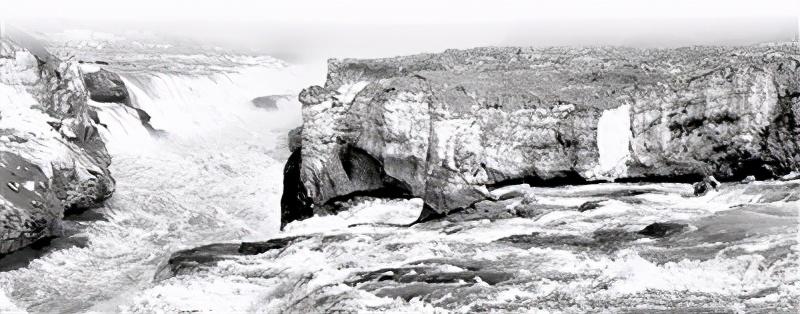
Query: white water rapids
pixel 216 177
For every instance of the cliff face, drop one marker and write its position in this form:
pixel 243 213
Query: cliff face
pixel 449 127
pixel 51 157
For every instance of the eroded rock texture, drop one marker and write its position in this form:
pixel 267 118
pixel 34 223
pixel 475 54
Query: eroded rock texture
pixel 51 157
pixel 449 127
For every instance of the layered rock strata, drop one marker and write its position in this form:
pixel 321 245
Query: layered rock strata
pixel 52 160
pixel 451 126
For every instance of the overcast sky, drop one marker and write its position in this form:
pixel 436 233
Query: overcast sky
pixel 363 28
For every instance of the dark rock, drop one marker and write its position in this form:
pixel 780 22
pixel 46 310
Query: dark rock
pixel 29 210
pixel 600 240
pixel 427 271
pixel 191 260
pixel 200 258
pixel 253 248
pixel 662 229
pixel 702 187
pixel 589 206
pixel 295 204
pixel 106 86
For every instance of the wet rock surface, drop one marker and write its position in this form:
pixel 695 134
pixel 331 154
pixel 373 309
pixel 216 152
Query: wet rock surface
pixel 204 257
pixel 662 229
pixel 53 160
pixel 446 127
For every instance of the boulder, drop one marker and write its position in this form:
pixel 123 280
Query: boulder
pixel 106 86
pixel 203 257
pixel 589 205
pixel 52 160
pixel 662 229
pixel 702 187
pixel 269 102
pixel 445 127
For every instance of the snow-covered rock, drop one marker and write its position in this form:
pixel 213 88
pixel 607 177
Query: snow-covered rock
pixel 51 157
pixel 448 127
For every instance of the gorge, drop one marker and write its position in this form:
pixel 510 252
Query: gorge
pixel 160 178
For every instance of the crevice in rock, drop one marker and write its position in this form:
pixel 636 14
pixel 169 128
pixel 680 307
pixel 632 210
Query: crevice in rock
pixel 681 178
pixel 295 203
pixel 563 178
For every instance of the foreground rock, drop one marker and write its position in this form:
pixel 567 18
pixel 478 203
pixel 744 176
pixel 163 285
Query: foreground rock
pixel 449 127
pixel 196 259
pixel 52 160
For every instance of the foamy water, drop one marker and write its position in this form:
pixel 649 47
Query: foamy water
pixel 732 260
pixel 216 177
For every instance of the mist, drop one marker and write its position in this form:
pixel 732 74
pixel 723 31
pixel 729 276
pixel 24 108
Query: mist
pixel 313 30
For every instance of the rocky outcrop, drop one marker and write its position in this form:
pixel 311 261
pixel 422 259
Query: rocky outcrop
pixel 51 157
pixel 199 258
pixel 449 127
pixel 105 86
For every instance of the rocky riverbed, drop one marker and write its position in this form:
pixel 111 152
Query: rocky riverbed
pixel 640 248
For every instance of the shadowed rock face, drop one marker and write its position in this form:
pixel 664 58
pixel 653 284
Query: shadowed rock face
pixel 446 126
pixel 52 160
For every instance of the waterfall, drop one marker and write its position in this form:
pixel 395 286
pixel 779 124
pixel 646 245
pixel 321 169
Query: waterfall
pixel 213 175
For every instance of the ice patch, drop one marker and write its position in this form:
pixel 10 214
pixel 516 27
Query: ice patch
pixel 613 140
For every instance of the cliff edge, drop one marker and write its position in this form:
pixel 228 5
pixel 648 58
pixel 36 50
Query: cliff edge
pixel 52 159
pixel 449 127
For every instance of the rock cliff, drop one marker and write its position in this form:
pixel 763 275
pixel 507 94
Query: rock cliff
pixel 450 127
pixel 52 160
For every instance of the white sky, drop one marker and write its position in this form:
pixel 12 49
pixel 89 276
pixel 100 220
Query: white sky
pixel 303 29
pixel 395 11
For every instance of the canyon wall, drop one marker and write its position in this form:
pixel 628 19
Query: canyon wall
pixel 52 159
pixel 449 127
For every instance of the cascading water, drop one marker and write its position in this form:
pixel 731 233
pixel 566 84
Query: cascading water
pixel 215 175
